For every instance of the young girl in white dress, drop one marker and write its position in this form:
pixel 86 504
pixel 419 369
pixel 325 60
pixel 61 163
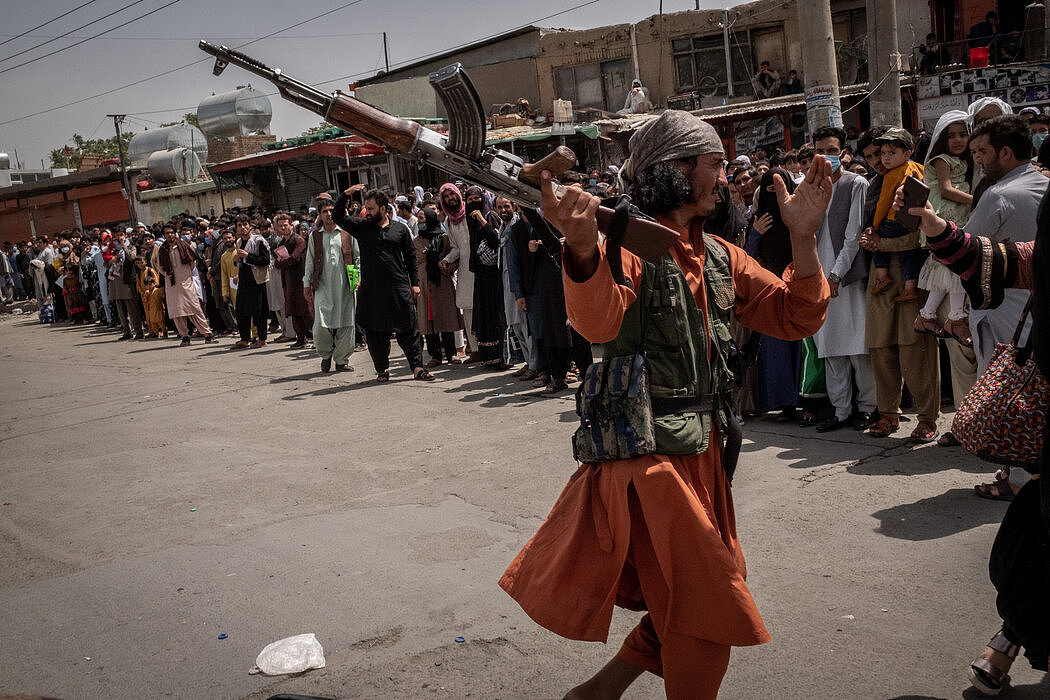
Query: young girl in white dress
pixel 948 168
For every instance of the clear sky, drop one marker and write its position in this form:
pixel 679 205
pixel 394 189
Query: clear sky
pixel 151 41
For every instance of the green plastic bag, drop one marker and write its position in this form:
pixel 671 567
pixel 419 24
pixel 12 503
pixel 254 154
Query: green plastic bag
pixel 353 276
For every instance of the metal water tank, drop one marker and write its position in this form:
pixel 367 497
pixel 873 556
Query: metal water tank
pixel 166 138
pixel 5 162
pixel 235 113
pixel 175 165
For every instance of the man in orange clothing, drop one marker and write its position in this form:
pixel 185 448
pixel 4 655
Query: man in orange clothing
pixel 656 531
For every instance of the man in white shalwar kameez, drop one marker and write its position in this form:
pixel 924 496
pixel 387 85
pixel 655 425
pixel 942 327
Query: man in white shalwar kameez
pixel 841 340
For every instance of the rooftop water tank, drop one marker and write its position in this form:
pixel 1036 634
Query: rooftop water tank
pixel 166 138
pixel 235 113
pixel 5 162
pixel 179 165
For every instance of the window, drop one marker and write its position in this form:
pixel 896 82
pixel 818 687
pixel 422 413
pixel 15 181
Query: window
pixel 581 85
pixel 700 64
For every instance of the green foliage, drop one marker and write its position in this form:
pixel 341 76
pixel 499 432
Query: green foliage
pixel 189 118
pixel 106 148
pixel 314 129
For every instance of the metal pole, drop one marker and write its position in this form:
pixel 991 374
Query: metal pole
pixel 884 60
pixel 729 63
pixel 386 53
pixel 128 194
pixel 823 107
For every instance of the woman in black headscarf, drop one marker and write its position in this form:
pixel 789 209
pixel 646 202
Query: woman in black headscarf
pixel 779 361
pixel 489 321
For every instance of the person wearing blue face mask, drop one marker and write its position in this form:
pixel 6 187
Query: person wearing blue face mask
pixel 1040 126
pixel 840 342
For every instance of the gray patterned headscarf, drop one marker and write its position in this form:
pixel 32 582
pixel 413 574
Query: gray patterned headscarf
pixel 671 136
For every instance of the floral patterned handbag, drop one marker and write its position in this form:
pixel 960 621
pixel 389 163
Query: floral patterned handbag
pixel 1001 418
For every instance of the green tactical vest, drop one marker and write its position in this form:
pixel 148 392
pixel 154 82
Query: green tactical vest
pixel 677 345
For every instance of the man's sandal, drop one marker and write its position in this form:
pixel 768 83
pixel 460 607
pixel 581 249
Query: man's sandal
pixel 883 427
pixel 925 431
pixel 383 376
pixel 998 490
pixel 984 675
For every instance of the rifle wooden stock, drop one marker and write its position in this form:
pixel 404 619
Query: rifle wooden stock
pixel 558 161
pixel 373 124
pixel 646 239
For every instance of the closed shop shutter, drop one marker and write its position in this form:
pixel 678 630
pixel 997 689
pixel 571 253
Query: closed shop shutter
pixel 52 219
pixel 103 209
pixel 14 225
pixel 304 178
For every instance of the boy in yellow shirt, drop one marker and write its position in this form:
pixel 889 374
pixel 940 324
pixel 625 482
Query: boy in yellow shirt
pixel 896 147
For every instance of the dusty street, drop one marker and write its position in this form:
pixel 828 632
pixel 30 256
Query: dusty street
pixel 157 497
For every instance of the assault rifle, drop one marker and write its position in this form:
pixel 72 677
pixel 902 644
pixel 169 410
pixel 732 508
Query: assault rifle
pixel 461 153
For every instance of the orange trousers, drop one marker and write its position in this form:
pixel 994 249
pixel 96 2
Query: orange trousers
pixel 692 668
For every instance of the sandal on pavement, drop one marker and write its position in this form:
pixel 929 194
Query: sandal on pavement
pixel 883 427
pixel 948 439
pixel 925 431
pixel 423 375
pixel 807 419
pixel 998 490
pixel 383 376
pixel 986 676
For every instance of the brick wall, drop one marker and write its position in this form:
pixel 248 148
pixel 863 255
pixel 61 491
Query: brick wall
pixel 221 150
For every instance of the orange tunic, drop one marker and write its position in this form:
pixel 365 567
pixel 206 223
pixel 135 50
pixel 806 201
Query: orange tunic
pixel 576 567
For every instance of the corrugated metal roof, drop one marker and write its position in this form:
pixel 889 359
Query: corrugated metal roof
pixel 740 110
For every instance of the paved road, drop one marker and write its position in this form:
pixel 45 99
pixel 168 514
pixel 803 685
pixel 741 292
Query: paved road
pixel 157 497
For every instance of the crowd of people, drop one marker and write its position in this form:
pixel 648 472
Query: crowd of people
pixel 838 312
pixel 457 273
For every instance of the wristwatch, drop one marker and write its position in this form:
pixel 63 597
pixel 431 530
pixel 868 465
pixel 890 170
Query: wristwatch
pixel 834 279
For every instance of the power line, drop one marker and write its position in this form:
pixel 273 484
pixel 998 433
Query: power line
pixel 173 70
pixel 83 26
pixel 195 38
pixel 418 58
pixel 84 41
pixel 464 45
pixel 53 19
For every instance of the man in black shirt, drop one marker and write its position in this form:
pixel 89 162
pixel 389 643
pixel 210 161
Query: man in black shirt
pixel 389 282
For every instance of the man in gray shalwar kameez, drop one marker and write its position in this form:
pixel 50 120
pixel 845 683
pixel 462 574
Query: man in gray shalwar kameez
pixel 329 250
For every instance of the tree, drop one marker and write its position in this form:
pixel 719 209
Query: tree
pixel 188 118
pixel 70 156
pixel 314 129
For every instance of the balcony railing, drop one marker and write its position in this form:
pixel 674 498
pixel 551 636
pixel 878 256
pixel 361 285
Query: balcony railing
pixel 1002 49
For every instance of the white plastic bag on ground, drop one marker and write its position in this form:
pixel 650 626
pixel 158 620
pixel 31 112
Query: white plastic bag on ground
pixel 291 655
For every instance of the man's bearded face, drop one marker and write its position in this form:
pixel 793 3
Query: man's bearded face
pixel 451 200
pixel 505 209
pixel 372 211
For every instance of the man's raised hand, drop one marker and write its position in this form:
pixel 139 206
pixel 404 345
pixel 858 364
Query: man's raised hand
pixel 573 215
pixel 803 211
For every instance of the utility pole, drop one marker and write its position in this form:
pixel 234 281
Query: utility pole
pixel 823 107
pixel 128 194
pixel 386 53
pixel 884 63
pixel 729 62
